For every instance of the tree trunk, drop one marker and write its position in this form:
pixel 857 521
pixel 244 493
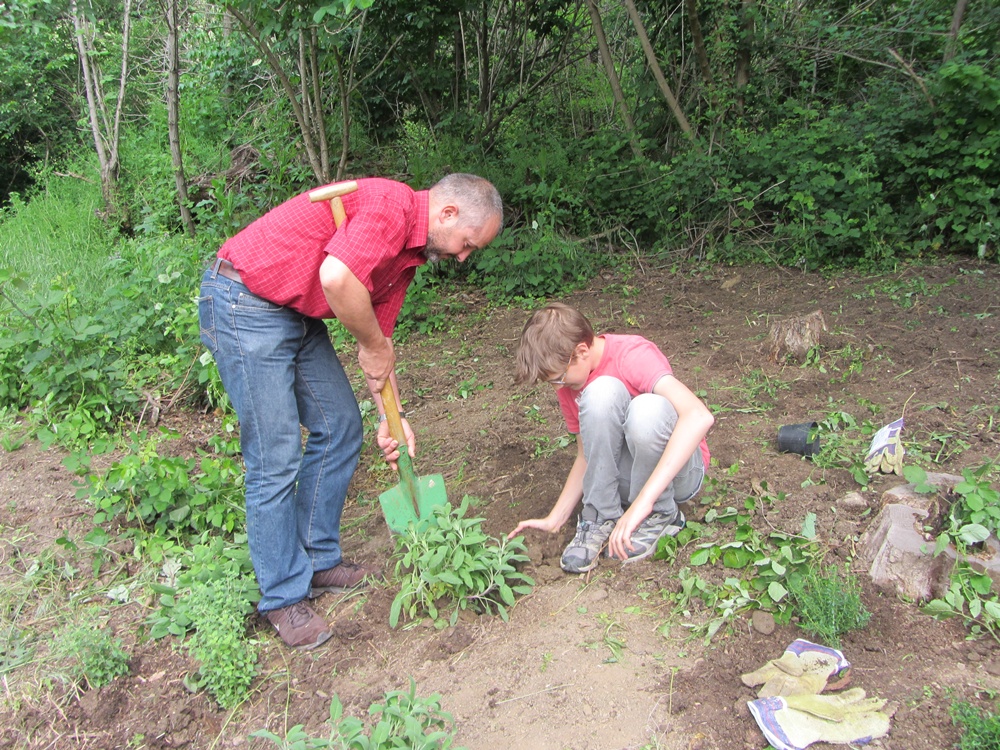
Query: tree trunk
pixel 302 117
pixel 173 116
pixel 699 41
pixel 956 24
pixel 654 66
pixel 106 132
pixel 743 52
pixel 609 67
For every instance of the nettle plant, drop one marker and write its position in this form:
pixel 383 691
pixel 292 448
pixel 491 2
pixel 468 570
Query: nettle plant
pixel 972 517
pixel 449 562
pixel 404 719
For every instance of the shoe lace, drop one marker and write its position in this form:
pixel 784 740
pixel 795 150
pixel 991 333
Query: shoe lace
pixel 299 614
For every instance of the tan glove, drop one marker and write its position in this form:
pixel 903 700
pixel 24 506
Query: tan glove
pixel 853 719
pixel 804 668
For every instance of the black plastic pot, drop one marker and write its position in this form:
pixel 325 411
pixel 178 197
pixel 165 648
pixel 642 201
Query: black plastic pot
pixel 795 438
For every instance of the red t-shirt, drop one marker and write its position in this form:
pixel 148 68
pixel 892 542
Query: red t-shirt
pixel 637 362
pixel 381 242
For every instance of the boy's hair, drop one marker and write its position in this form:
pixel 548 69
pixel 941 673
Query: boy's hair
pixel 548 340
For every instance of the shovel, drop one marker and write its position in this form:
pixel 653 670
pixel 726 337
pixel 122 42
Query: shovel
pixel 414 498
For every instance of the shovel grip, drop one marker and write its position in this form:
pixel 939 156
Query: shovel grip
pixel 332 193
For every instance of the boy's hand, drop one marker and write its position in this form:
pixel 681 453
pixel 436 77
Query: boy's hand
pixel 620 541
pixel 390 448
pixel 544 524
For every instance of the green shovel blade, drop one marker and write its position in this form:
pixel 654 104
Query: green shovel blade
pixel 398 506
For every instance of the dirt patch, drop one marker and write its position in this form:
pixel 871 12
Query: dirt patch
pixel 585 662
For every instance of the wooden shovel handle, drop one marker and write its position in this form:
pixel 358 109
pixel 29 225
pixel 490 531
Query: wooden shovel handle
pixel 332 193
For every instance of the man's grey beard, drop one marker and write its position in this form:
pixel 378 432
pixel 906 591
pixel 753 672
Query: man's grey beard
pixel 432 256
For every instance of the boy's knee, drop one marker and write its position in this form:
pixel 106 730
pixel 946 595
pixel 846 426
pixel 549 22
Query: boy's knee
pixel 604 398
pixel 650 414
pixel 602 391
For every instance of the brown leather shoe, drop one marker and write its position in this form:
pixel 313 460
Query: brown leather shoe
pixel 341 578
pixel 298 625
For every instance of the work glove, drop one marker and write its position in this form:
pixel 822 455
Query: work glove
pixel 795 722
pixel 804 668
pixel 887 454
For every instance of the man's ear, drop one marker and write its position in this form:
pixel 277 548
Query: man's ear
pixel 447 214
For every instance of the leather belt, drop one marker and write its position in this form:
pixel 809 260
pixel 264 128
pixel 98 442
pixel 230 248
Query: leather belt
pixel 224 268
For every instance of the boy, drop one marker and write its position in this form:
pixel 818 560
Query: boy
pixel 640 436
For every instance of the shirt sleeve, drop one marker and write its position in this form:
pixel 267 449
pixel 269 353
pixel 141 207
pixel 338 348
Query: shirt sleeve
pixel 364 241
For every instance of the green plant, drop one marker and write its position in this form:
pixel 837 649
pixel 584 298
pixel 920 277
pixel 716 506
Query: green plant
pixel 980 729
pixel 969 596
pixel 90 654
pixel 169 496
pixel 449 562
pixel 829 603
pixel 403 720
pixel 213 560
pixel 227 658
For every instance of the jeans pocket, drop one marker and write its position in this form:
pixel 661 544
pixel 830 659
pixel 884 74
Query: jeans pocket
pixel 206 323
pixel 248 301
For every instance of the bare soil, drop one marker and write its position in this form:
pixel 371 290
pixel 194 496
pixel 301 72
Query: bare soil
pixel 926 338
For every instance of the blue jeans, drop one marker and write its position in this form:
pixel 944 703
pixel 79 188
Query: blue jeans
pixel 280 371
pixel 623 440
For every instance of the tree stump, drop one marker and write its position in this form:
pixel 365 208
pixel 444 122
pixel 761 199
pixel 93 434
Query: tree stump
pixel 900 556
pixel 795 336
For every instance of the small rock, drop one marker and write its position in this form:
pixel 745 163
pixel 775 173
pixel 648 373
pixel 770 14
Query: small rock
pixel 853 501
pixel 763 622
pixel 972 657
pixel 993 667
pixel 598 595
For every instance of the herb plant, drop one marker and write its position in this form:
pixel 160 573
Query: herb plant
pixel 92 656
pixel 227 658
pixel 829 604
pixel 450 562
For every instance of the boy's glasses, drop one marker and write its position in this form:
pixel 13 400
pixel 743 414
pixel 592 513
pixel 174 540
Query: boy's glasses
pixel 561 380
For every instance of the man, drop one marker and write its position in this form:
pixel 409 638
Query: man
pixel 261 308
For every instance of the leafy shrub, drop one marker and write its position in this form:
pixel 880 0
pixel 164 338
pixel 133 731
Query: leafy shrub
pixel 829 604
pixel 980 729
pixel 450 562
pixel 92 655
pixel 204 563
pixel 170 496
pixel 227 658
pixel 950 160
pixel 404 720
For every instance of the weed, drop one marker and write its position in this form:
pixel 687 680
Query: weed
pixel 197 566
pixel 228 660
pixel 402 720
pixel 450 562
pixel 829 604
pixel 170 496
pixel 980 729
pixel 90 655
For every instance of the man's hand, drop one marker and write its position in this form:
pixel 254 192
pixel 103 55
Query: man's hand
pixel 390 448
pixel 377 363
pixel 543 524
pixel 620 541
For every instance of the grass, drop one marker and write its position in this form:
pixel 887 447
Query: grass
pixel 58 232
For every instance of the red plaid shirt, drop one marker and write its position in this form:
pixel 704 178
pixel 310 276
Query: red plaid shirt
pixel 279 255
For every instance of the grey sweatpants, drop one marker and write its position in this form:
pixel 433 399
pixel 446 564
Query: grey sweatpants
pixel 623 440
